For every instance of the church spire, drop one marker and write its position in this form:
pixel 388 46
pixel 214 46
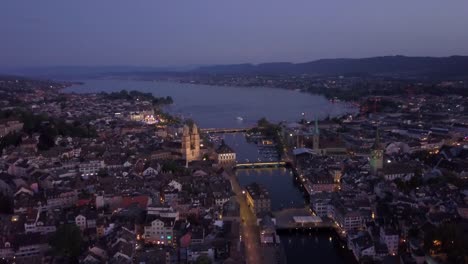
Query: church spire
pixel 377 140
pixel 316 137
pixel 376 160
pixel 316 128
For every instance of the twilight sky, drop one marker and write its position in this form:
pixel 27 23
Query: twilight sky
pixel 184 32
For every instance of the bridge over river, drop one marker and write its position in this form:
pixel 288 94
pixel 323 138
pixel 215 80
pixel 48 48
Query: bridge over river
pixel 301 219
pixel 267 164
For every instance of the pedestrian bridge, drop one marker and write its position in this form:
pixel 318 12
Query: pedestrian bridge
pixel 225 130
pixel 249 165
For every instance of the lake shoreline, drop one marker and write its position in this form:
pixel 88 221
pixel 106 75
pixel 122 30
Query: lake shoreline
pixel 211 107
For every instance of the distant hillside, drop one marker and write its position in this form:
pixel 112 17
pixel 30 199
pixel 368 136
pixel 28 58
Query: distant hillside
pixel 387 65
pixel 394 66
pixel 90 71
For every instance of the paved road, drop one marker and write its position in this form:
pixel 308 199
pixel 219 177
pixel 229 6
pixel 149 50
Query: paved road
pixel 250 230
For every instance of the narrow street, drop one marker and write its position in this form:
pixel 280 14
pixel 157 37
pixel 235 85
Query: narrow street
pixel 250 231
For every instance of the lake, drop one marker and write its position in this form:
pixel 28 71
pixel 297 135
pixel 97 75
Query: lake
pixel 220 106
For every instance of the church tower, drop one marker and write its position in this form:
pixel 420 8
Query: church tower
pixel 190 143
pixel 316 137
pixel 376 159
pixel 186 145
pixel 195 142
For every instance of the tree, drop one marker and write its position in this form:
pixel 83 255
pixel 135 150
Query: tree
pixel 67 242
pixel 46 141
pixel 6 204
pixel 124 94
pixel 11 139
pixel 263 122
pixel 413 232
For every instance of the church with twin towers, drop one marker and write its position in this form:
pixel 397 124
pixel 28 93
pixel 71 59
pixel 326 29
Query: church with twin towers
pixel 191 143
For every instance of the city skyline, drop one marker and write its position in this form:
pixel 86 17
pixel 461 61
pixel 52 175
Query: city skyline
pixel 155 33
pixel 233 132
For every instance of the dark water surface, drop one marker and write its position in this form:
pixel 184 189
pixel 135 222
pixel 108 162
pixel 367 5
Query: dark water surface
pixel 220 106
pixel 316 247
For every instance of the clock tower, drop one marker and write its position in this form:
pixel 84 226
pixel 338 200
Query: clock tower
pixel 316 137
pixel 376 159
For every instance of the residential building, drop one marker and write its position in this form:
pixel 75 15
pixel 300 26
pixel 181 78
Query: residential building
pixel 226 155
pixel 61 199
pixel 391 238
pixel 90 168
pixel 86 220
pixel 362 246
pixel 258 198
pixel 159 230
pixel 393 171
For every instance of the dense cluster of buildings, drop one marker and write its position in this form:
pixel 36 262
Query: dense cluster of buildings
pixel 135 186
pixel 392 182
pixel 139 190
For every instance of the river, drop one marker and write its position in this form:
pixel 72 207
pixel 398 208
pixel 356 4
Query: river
pixel 300 247
pixel 220 106
pixel 278 181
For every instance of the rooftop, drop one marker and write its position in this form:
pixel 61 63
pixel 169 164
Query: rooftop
pixel 257 191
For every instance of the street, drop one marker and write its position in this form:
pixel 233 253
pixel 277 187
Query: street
pixel 250 231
